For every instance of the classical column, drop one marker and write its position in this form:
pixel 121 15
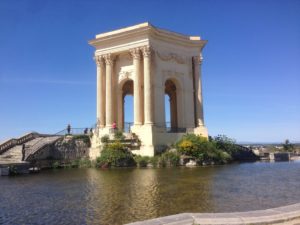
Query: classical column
pixel 109 89
pixel 137 91
pixel 148 108
pixel 198 92
pixel 100 91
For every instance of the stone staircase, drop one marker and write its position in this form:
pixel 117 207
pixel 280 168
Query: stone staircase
pixel 131 141
pixel 33 149
pixel 14 154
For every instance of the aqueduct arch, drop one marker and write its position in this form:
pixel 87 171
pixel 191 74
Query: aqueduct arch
pixel 148 62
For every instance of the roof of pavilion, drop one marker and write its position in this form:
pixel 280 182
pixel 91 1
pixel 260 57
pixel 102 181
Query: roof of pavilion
pixel 147 29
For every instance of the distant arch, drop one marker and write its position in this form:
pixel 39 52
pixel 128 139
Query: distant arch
pixel 172 89
pixel 126 101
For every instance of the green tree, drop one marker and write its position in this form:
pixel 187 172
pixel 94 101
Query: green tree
pixel 287 146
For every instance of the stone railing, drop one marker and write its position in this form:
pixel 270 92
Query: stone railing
pixel 282 215
pixel 44 141
pixel 17 141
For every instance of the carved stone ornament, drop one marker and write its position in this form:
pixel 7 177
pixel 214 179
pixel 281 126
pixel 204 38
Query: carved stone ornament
pixel 99 60
pixel 135 53
pixel 198 59
pixel 169 73
pixel 147 50
pixel 171 57
pixel 109 59
pixel 126 74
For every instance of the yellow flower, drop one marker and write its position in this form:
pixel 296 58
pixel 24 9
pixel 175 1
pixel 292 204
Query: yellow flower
pixel 186 144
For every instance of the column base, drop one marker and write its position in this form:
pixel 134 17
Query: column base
pixel 201 130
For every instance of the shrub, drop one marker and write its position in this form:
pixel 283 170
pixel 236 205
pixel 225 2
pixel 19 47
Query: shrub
pixel 154 161
pixel 85 163
pixel 141 161
pixel 119 135
pixel 84 138
pixel 105 139
pixel 115 155
pixel 55 165
pixel 226 144
pixel 13 170
pixel 202 149
pixel 186 147
pixel 169 159
pixel 287 146
pixel 196 146
pixel 75 163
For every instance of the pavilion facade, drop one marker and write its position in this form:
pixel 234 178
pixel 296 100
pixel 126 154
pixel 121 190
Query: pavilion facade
pixel 148 63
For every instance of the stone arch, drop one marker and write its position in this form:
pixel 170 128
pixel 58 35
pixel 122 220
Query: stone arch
pixel 125 88
pixel 172 88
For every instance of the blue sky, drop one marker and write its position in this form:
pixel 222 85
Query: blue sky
pixel 251 68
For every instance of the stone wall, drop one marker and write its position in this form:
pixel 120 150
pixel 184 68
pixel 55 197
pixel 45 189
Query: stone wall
pixel 66 149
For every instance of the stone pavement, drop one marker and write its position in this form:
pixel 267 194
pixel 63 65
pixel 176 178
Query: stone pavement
pixel 286 215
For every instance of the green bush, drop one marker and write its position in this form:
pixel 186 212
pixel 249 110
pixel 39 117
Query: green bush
pixel 287 146
pixel 85 163
pixel 84 138
pixel 75 163
pixel 202 149
pixel 105 139
pixel 226 144
pixel 115 155
pixel 169 159
pixel 119 135
pixel 55 165
pixel 154 161
pixel 141 161
pixel 13 170
pixel 195 146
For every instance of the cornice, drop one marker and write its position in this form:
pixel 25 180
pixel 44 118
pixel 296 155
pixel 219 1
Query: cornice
pixel 146 31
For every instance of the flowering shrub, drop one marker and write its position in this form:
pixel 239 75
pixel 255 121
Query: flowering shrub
pixel 201 148
pixel 115 155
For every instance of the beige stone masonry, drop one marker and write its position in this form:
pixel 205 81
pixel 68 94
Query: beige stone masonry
pixel 149 63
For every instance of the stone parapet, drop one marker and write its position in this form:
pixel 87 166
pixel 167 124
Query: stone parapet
pixel 282 215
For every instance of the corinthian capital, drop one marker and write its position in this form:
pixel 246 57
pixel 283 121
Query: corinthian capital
pixel 135 53
pixel 147 50
pixel 109 59
pixel 198 59
pixel 99 60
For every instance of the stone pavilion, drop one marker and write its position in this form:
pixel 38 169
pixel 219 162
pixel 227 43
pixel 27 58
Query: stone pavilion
pixel 148 63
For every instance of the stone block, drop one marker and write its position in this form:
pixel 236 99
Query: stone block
pixel 4 171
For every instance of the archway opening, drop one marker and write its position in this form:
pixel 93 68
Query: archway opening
pixel 127 97
pixel 171 106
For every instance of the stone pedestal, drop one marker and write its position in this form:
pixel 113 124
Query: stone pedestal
pixel 202 131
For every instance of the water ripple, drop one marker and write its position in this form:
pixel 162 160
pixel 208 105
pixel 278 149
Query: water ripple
pixel 117 196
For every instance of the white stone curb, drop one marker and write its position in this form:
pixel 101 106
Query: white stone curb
pixel 280 215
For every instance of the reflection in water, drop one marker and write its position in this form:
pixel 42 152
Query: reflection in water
pixel 117 196
pixel 124 195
